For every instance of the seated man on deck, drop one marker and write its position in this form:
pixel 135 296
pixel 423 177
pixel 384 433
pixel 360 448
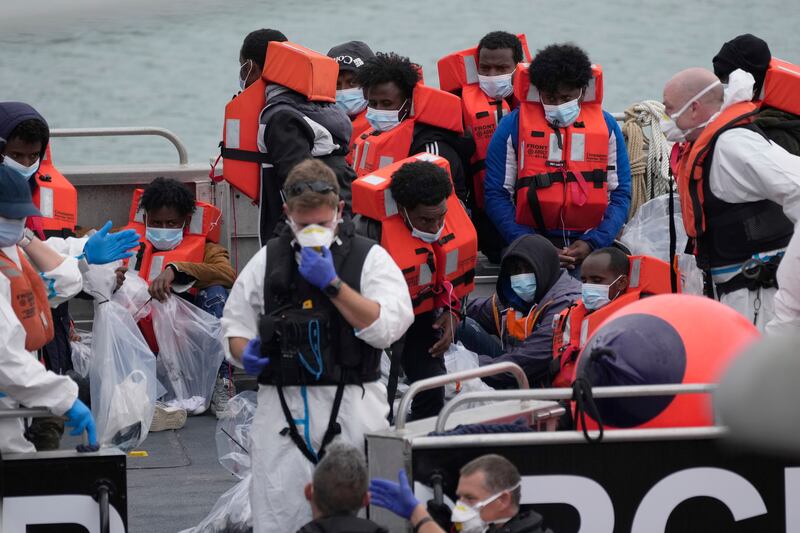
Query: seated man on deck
pixel 516 323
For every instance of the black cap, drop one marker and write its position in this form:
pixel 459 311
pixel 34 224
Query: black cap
pixel 351 55
pixel 15 195
pixel 746 52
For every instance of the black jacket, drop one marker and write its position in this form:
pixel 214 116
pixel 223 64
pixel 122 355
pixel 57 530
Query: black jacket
pixel 524 522
pixel 453 147
pixel 342 524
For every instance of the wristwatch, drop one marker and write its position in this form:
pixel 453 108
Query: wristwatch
pixel 27 237
pixel 332 290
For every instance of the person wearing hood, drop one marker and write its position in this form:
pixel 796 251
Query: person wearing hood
pixel 33 277
pixel 740 193
pixel 746 52
pixel 389 82
pixel 292 129
pixel 516 323
pixel 309 316
pixel 349 95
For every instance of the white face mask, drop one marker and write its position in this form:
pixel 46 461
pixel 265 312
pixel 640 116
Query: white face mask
pixel 314 235
pixel 669 123
pixel 424 236
pixel 468 518
pixel 27 172
pixel 497 86
pixel 738 89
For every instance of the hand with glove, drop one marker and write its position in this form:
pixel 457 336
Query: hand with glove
pixel 80 417
pixel 317 267
pixel 103 247
pixel 397 497
pixel 254 363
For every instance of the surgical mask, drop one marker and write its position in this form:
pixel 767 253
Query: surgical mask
pixel 313 235
pixel 669 123
pixel 496 86
pixel 524 285
pixel 11 230
pixel 164 238
pixel 467 518
pixel 27 172
pixel 563 115
pixel 351 101
pixel 596 295
pixel 384 119
pixel 243 81
pixel 424 236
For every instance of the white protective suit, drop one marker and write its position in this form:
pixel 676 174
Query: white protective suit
pixel 23 378
pixel 280 471
pixel 786 316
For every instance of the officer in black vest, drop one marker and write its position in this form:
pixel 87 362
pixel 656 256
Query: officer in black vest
pixel 309 315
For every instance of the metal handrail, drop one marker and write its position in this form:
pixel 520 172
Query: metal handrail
pixel 183 155
pixel 23 412
pixel 439 381
pixel 627 391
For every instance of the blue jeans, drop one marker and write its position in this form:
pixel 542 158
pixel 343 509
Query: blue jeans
pixel 478 340
pixel 212 300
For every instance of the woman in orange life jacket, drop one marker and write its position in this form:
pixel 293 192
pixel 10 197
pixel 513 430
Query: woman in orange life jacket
pixel 516 323
pixel 388 81
pixel 168 206
pixel 349 95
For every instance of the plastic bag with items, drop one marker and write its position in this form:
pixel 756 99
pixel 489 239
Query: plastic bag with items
pixel 190 352
pixel 122 378
pixel 81 346
pixel 233 434
pixel 457 359
pixel 231 513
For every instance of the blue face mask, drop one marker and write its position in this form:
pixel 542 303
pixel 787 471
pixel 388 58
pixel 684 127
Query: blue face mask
pixel 351 101
pixel 496 86
pixel 27 172
pixel 524 285
pixel 596 295
pixel 385 120
pixel 564 114
pixel 11 230
pixel 164 238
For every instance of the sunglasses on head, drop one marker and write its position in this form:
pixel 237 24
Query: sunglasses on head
pixel 296 189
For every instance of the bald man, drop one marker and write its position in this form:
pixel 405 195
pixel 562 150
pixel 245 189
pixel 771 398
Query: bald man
pixel 740 193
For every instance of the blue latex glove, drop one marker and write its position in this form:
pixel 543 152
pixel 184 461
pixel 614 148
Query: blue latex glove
pixel 397 497
pixel 103 248
pixel 252 360
pixel 317 267
pixel 80 417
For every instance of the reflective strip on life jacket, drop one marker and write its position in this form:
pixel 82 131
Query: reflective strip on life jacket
pixel 29 301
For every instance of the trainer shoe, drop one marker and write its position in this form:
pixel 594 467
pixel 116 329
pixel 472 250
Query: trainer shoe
pixel 166 417
pixel 224 390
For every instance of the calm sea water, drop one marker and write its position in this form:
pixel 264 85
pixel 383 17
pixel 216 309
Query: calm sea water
pixel 174 64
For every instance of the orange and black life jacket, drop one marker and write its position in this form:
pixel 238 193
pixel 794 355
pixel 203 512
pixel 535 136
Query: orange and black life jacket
pixel 291 65
pixel 725 233
pixel 575 325
pixel 29 301
pixel 562 174
pixel 514 326
pixel 57 200
pixel 428 268
pixel 360 125
pixel 458 74
pixel 377 149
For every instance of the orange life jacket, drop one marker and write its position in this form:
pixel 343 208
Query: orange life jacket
pixel 514 325
pixel 781 86
pixel 291 65
pixel 562 176
pixel 360 125
pixel 56 198
pixel 426 267
pixel 575 325
pixel 204 226
pixel 377 149
pixel 458 73
pixel 29 301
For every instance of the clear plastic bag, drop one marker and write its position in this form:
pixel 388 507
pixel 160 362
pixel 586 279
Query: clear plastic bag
pixel 647 233
pixel 231 513
pixel 122 378
pixel 233 434
pixel 81 352
pixel 691 275
pixel 189 352
pixel 133 295
pixel 456 359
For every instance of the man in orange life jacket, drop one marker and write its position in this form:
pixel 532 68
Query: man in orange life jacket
pixel 292 129
pixel 484 104
pixel 557 165
pixel 604 275
pixel 739 192
pixel 516 323
pixel 169 206
pixel 349 95
pixel 389 81
pixel 26 324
